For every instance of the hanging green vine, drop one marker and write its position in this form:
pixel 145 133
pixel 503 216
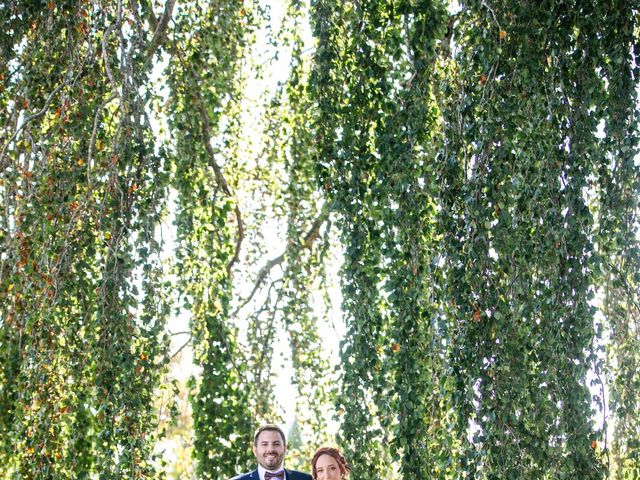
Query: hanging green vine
pixel 82 190
pixel 204 80
pixel 405 142
pixel 345 160
pixel 376 124
pixel 521 100
pixel 306 249
pixel 619 179
pixel 520 153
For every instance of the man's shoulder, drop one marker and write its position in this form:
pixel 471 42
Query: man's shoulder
pixel 295 475
pixel 247 476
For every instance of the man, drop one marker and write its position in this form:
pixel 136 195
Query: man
pixel 269 447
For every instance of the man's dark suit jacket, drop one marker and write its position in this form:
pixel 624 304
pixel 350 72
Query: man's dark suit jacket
pixel 291 475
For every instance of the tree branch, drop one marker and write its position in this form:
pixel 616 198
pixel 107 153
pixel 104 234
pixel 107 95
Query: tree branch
pixel 310 237
pixel 94 132
pixel 183 346
pixel 262 275
pixel 153 21
pixel 159 27
pixel 105 48
pixel 314 232
pixel 220 180
pixel 32 117
pixel 44 108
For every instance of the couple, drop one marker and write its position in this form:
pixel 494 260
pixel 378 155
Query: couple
pixel 269 447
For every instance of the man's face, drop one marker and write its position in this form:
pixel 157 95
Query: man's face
pixel 269 450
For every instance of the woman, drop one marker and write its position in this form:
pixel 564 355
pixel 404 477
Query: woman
pixel 328 464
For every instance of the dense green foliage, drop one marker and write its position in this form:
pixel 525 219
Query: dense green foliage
pixel 521 132
pixel 83 303
pixel 205 211
pixel 475 163
pixel 502 196
pixel 377 116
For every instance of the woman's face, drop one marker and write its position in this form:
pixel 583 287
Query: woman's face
pixel 327 468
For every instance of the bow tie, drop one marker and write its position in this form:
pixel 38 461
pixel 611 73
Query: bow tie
pixel 268 475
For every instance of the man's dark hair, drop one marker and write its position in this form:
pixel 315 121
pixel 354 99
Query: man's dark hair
pixel 269 427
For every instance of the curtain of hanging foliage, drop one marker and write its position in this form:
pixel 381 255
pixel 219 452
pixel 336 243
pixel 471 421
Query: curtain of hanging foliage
pixel 617 235
pixel 521 149
pixel 205 84
pixel 82 188
pixel 477 160
pixel 306 244
pixel 377 118
pixel 507 214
